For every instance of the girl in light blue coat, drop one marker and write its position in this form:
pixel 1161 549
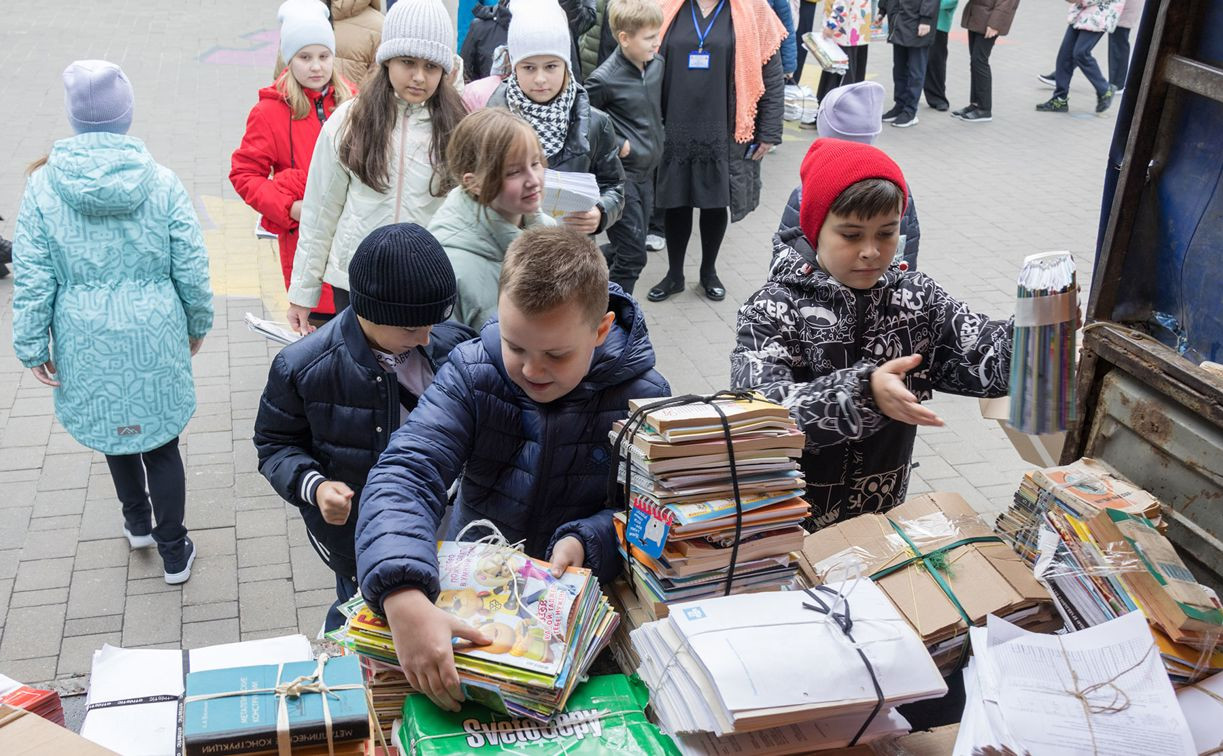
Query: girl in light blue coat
pixel 110 300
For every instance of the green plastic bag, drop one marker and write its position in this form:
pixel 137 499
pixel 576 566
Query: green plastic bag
pixel 604 715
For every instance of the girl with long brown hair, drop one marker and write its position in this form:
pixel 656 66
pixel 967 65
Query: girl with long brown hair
pixel 380 158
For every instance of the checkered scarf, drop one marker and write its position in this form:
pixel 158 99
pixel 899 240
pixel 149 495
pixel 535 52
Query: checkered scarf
pixel 550 120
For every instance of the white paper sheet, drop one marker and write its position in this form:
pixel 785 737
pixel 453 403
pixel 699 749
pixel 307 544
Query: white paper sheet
pixel 271 330
pixel 566 192
pixel 1204 713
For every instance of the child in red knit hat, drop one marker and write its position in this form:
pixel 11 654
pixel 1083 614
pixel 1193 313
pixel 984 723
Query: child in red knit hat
pixel 852 344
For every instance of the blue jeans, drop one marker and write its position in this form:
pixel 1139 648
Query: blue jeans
pixel 908 75
pixel 1075 52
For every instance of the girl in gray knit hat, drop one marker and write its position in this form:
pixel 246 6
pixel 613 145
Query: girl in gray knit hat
pixel 380 158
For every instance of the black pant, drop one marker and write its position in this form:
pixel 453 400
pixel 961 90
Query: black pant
pixel 981 88
pixel 345 588
pixel 679 229
pixel 936 73
pixel 627 236
pixel 1075 52
pixel 1119 57
pixel 341 298
pixel 854 74
pixel 908 75
pixel 153 485
pixel 806 20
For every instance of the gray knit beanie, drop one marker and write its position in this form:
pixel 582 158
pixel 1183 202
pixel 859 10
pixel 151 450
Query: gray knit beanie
pixel 418 29
pixel 98 97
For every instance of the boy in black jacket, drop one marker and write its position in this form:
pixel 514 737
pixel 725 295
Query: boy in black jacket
pixel 911 34
pixel 333 399
pixel 628 87
pixel 853 345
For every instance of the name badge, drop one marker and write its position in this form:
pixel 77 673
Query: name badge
pixel 698 60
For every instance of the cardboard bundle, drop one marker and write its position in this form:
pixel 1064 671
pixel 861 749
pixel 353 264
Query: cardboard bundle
pixel 684 526
pixel 968 572
pixel 1081 489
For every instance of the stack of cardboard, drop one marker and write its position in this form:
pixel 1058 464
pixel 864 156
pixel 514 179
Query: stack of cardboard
pixel 966 565
pixel 23 733
pixel 684 525
pixel 1081 489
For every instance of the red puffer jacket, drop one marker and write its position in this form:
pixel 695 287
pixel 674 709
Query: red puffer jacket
pixel 269 168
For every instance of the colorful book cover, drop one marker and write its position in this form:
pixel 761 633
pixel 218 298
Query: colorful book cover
pixel 246 723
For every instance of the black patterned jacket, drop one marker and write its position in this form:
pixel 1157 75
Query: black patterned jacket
pixel 810 343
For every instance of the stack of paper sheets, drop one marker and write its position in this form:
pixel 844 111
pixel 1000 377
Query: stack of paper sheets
pixel 1081 489
pixel 966 566
pixel 546 631
pixel 270 330
pixel 1202 705
pixel 135 694
pixel 1100 691
pixel 681 475
pixel 566 192
pixel 757 661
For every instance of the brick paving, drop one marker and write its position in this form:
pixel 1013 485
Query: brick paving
pixel 988 195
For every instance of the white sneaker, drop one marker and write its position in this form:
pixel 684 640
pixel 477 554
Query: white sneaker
pixel 654 242
pixel 138 541
pixel 183 574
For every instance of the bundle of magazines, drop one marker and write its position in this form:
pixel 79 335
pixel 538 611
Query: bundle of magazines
pixel 545 631
pixel 826 52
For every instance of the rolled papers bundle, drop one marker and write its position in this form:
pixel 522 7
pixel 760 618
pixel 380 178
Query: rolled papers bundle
pixel 1043 355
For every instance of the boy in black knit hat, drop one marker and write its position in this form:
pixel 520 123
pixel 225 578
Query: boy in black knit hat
pixel 333 398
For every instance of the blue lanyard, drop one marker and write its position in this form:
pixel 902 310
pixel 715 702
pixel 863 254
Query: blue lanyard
pixel 702 36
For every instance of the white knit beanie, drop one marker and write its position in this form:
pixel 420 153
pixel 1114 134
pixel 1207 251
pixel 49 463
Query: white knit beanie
pixel 418 29
pixel 303 23
pixel 537 27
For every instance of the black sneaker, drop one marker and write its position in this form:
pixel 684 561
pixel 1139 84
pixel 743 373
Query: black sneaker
pixel 1105 101
pixel 905 120
pixel 976 115
pixel 893 114
pixel 178 569
pixel 6 256
pixel 941 107
pixel 1047 79
pixel 1054 105
pixel 960 113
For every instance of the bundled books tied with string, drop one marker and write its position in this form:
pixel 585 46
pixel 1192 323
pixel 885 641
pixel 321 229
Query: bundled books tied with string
pixel 710 488
pixel 1099 691
pixel 832 661
pixel 826 52
pixel 1044 351
pixel 1102 558
pixel 941 565
pixel 545 631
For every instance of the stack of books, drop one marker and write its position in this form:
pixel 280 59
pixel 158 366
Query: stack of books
pixel 44 703
pixel 1081 489
pixel 237 710
pixel 785 659
pixel 388 687
pixel 683 526
pixel 826 52
pixel 545 631
pixel 938 562
pixel 566 192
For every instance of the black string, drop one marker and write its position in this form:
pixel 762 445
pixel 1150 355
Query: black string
pixel 846 624
pixel 622 497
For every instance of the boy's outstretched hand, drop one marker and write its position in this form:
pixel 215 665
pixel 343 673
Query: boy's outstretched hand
pixel 568 552
pixel 422 634
pixel 892 396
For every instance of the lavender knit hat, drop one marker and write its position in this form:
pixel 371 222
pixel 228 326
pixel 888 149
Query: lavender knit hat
pixel 98 97
pixel 853 112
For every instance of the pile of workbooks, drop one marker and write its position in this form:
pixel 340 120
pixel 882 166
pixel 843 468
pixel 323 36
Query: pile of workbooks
pixel 683 528
pixel 942 567
pixel 388 687
pixel 44 703
pixel 545 631
pixel 835 660
pixel 1101 558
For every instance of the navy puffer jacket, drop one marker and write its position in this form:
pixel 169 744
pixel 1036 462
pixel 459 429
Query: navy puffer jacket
pixel 538 472
pixel 327 412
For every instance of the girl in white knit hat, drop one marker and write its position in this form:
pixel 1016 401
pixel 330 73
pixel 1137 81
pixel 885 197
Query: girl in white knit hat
pixel 575 136
pixel 380 158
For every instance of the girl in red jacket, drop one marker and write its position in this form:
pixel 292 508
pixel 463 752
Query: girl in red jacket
pixel 269 168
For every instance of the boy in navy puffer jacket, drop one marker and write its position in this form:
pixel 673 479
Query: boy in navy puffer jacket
pixel 521 416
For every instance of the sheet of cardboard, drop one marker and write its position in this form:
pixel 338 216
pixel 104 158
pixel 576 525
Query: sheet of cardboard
pixel 22 733
pixel 1043 450
pixel 986 578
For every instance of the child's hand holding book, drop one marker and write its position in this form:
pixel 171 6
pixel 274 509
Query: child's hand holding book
pixel 892 396
pixel 423 635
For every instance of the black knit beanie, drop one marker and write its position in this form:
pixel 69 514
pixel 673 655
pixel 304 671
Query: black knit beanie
pixel 401 276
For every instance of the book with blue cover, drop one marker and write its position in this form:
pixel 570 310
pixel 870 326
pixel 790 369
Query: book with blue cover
pixel 246 722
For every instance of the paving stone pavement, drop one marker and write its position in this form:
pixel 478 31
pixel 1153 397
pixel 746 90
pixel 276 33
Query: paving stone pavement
pixel 988 195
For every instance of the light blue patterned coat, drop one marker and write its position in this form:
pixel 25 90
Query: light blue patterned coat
pixel 111 279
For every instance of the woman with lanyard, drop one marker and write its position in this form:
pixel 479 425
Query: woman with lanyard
pixel 722 106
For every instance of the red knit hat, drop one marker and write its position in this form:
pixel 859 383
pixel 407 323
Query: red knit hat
pixel 832 166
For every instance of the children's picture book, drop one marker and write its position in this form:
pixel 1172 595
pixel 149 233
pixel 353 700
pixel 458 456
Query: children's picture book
pixel 514 600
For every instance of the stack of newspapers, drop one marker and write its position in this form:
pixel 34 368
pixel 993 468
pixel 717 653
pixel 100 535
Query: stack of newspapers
pixel 684 525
